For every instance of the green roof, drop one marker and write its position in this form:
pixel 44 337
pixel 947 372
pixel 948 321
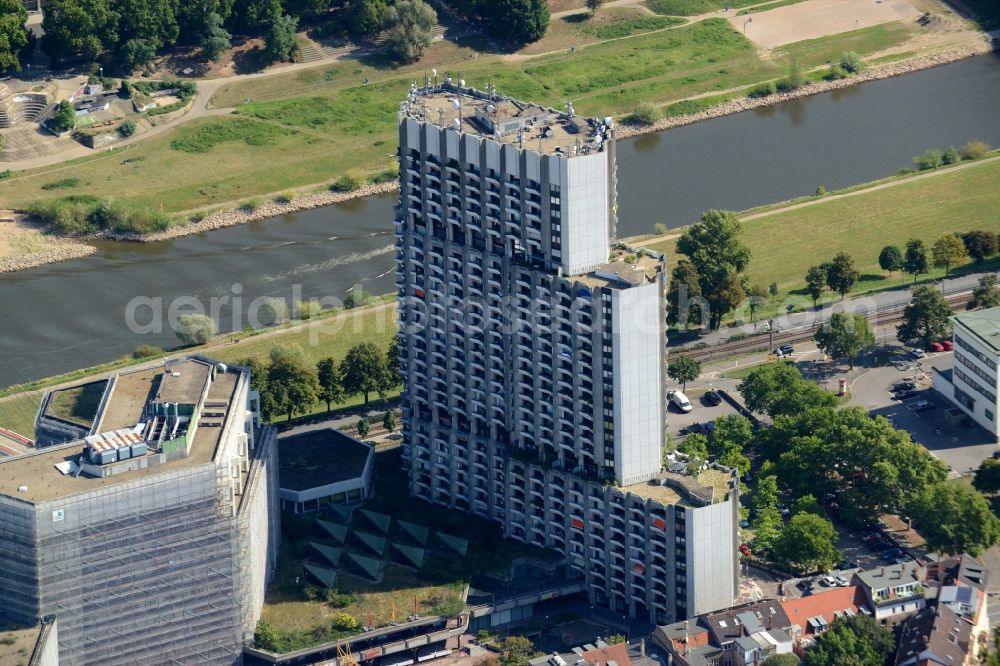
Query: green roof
pixel 338 532
pixel 984 324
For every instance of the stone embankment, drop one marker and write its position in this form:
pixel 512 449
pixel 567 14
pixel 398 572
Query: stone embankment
pixel 885 71
pixel 61 250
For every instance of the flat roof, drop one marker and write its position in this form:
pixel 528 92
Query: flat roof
pixel 505 120
pixel 125 406
pixel 17 641
pixel 683 490
pixel 642 268
pixel 319 458
pixel 984 324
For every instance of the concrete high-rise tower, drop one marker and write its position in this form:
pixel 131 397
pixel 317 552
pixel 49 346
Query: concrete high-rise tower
pixel 533 352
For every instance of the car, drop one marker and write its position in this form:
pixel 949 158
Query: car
pixel 892 554
pixel 841 581
pixel 905 394
pixel 784 510
pixel 785 350
pixel 871 538
pixel 681 402
pixel 712 398
pixel 745 524
pixel 935 347
pixel 916 352
pixel 903 386
pixel 996 455
pixel 902 559
pixel 744 550
pixel 921 405
pixel 804 584
pixel 947 344
pixel 828 581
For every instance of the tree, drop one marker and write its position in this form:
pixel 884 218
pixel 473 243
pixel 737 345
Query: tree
pixel 13 34
pixel 264 636
pixel 855 640
pixel 987 479
pixel 778 388
pixel 258 382
pixel 368 17
pixel 518 21
pixel 695 447
pixel 683 295
pixel 845 334
pixel 985 295
pixel 766 494
pixel 717 254
pixel 594 5
pixel 516 651
pixel 816 282
pixel 758 297
pixel 980 244
pixel 215 39
pixel 389 421
pixel 63 119
pixel 364 371
pixel 249 16
pixel 842 274
pixel 392 363
pixel 787 659
pixel 772 289
pixel 195 329
pixel 915 259
pixel 363 427
pixel 78 28
pixel 684 369
pixel 153 22
pixel 292 384
pixel 134 54
pixel 731 432
pixel 808 542
pixel 767 525
pixel 280 43
pixel 926 317
pixel 890 259
pixel 331 382
pixel 273 311
pixel 955 519
pixel 948 251
pixel 410 36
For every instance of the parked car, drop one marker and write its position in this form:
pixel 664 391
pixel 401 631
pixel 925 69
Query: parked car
pixel 892 554
pixel 880 545
pixel 828 581
pixel 947 344
pixel 841 581
pixel 681 402
pixel 916 352
pixel 785 511
pixel 935 347
pixel 903 386
pixel 804 584
pixel 902 559
pixel 921 405
pixel 996 454
pixel 712 398
pixel 785 349
pixel 744 550
pixel 745 524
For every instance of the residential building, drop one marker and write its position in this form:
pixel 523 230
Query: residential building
pixel 952 628
pixel 324 467
pixel 893 590
pixel 533 353
pixel 743 635
pixel 813 614
pixel 152 541
pixel 973 380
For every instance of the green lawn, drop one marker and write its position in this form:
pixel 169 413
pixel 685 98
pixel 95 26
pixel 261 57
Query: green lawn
pixel 78 404
pixel 18 413
pixel 311 126
pixel 691 7
pixel 784 245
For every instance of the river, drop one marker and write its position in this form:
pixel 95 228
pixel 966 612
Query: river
pixel 61 317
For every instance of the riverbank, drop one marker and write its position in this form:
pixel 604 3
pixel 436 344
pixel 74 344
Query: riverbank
pixel 22 246
pixel 278 204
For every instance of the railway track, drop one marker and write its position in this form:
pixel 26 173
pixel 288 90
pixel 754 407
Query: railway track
pixel 759 341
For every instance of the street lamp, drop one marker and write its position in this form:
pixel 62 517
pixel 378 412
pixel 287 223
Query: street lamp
pixel 749 19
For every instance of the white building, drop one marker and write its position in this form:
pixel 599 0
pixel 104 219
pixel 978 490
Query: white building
pixel 973 381
pixel 533 353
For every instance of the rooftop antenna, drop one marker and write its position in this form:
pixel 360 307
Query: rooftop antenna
pixel 434 73
pixel 520 137
pixel 441 117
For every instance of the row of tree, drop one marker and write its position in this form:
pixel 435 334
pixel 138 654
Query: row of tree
pixel 288 384
pixel 515 22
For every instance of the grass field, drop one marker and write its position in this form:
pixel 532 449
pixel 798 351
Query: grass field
pixel 18 412
pixel 313 125
pixel 767 6
pixel 785 244
pixel 692 7
pixel 78 404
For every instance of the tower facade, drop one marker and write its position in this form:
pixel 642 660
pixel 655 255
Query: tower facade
pixel 533 348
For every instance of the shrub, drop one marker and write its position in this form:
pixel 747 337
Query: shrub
pixel 344 622
pixel 930 159
pixel 146 351
pixel 820 191
pixel 762 90
pixel 84 214
pixel 347 183
pixel 973 150
pixel 63 184
pixel 644 114
pixel 950 156
pixel 851 62
pixel 5 174
pixel 307 309
pixel 793 81
pixel 127 128
pixel 195 329
pixel 63 119
pixel 835 72
pixel 339 599
pixel 286 197
pixel 250 206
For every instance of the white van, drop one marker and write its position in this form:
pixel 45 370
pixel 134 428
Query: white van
pixel 681 402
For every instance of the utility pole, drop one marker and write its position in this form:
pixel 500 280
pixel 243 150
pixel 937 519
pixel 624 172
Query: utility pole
pixel 770 336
